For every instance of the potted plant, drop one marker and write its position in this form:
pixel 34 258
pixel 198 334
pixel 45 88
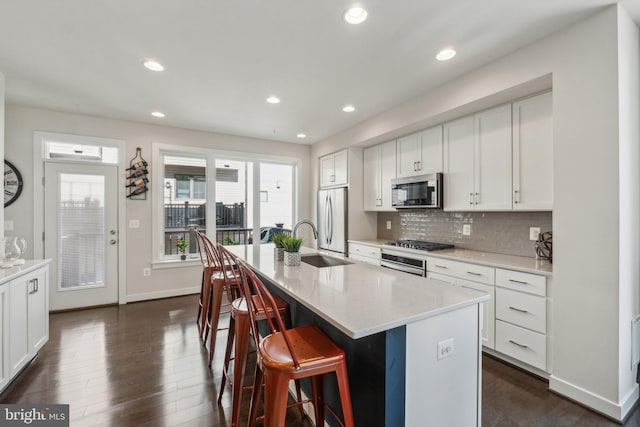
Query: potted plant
pixel 279 250
pixel 291 246
pixel 182 248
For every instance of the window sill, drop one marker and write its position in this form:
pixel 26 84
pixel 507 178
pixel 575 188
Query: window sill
pixel 175 263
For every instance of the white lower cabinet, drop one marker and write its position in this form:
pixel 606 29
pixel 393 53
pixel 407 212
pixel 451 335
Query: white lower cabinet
pixel 5 373
pixel 457 274
pixel 38 308
pixel 527 346
pixel 521 317
pixel 24 320
pixel 365 253
pixel 514 320
pixel 18 323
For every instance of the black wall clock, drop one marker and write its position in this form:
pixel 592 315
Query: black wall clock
pixel 12 183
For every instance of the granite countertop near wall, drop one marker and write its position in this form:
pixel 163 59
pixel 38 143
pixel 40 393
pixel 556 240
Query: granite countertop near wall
pixel 510 262
pixel 8 274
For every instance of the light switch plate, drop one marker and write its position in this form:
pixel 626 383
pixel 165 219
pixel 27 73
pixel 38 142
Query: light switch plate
pixel 8 225
pixel 466 229
pixel 388 225
pixel 134 223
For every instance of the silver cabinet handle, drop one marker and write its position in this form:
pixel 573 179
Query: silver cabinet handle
pixel 477 198
pixel 113 241
pixel 32 287
pixel 518 344
pixel 441 266
pixel 474 274
pixel 516 196
pixel 37 285
pixel 518 282
pixel 470 198
pixel 518 309
pixel 112 232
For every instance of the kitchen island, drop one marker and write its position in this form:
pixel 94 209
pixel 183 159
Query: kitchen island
pixel 412 344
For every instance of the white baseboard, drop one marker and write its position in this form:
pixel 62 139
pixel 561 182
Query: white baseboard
pixel 162 294
pixel 616 411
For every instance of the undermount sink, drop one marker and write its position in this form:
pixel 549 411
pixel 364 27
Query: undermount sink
pixel 323 261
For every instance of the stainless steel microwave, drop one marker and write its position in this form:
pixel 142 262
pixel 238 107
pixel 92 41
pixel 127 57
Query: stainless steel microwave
pixel 423 191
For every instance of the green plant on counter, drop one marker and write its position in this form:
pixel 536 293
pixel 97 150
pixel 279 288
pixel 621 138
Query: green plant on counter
pixel 291 244
pixel 181 245
pixel 277 239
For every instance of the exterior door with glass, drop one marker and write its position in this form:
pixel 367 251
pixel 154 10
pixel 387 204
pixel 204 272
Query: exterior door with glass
pixel 81 234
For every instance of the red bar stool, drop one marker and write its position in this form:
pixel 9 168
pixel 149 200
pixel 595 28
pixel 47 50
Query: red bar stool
pixel 217 277
pixel 288 354
pixel 238 341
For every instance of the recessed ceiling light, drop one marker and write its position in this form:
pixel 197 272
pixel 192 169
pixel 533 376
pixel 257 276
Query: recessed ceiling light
pixel 273 100
pixel 348 108
pixel 153 65
pixel 446 54
pixel 301 135
pixel 355 15
pixel 157 114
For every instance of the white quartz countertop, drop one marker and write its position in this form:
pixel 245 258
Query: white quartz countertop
pixel 510 262
pixel 359 299
pixel 8 274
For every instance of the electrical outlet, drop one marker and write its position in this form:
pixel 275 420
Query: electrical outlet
pixel 134 223
pixel 445 349
pixel 466 229
pixel 146 272
pixel 8 225
pixel 533 233
pixel 388 225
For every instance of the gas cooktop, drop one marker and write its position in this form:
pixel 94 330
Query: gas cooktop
pixel 420 245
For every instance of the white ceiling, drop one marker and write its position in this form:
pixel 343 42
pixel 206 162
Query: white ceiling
pixel 223 58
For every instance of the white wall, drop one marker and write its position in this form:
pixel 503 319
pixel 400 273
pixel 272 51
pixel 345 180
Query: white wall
pixel 23 121
pixel 582 61
pixel 2 120
pixel 629 119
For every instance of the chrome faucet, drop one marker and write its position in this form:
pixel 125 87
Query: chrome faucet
pixel 305 221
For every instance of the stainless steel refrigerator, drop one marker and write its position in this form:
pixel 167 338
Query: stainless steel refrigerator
pixel 332 220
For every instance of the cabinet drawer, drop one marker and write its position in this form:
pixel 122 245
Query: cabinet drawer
pixel 442 278
pixel 524 282
pixel 372 261
pixel 462 270
pixel 522 344
pixel 364 250
pixel 528 311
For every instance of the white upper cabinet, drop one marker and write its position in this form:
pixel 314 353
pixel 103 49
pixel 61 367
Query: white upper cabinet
pixel 477 161
pixel 492 149
pixel 379 170
pixel 334 169
pixel 420 153
pixel 458 165
pixel 533 153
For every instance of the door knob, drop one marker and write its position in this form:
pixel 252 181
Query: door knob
pixel 112 232
pixel 113 241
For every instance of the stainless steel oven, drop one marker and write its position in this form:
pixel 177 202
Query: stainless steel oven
pixel 403 261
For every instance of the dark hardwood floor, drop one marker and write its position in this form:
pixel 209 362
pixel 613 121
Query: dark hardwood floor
pixel 143 364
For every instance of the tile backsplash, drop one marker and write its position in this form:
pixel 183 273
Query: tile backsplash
pixel 497 232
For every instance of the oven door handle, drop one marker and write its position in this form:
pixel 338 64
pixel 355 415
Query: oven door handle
pixel 407 269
